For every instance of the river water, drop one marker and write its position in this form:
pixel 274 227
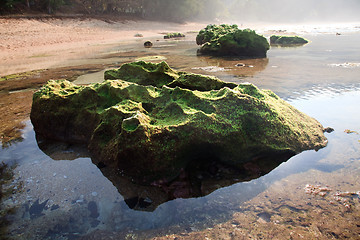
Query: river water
pixel 64 196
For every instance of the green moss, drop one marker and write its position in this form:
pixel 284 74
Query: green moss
pixel 143 73
pixel 160 74
pixel 287 40
pixel 174 35
pixel 19 76
pixel 251 90
pixel 228 40
pixel 151 131
pixel 199 82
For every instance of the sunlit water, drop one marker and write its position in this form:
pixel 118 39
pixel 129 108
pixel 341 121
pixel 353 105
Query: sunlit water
pixel 66 199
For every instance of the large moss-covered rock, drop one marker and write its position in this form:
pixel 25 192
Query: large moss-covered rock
pixel 287 40
pixel 229 40
pixel 155 132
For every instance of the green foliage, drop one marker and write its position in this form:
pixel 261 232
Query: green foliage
pixel 170 10
pixel 6 190
pixel 55 4
pixel 8 5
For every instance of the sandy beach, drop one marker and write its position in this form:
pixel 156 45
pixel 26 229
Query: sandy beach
pixel 31 44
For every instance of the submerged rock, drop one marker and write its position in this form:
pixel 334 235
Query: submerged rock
pixel 229 40
pixel 152 124
pixel 287 40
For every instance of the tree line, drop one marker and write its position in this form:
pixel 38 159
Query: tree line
pixel 181 10
pixel 176 10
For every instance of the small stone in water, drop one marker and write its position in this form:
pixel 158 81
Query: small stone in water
pixel 328 130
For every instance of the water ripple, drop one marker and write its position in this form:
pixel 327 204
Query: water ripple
pixel 345 65
pixel 330 91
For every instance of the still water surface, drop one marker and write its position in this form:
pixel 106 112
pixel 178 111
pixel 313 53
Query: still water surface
pixel 66 199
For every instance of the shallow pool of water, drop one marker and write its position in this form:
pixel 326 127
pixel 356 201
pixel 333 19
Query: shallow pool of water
pixel 67 199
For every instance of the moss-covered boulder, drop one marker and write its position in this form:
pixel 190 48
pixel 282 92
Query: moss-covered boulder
pixel 152 132
pixel 229 40
pixel 287 40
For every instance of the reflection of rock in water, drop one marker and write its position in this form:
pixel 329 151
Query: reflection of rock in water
pixel 197 180
pixel 230 66
pixel 61 150
pixel 7 188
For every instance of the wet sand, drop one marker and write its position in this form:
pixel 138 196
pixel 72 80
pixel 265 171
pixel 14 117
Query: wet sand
pixel 31 44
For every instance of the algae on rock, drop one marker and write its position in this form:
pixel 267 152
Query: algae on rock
pixel 158 75
pixel 152 124
pixel 174 35
pixel 229 40
pixel 287 40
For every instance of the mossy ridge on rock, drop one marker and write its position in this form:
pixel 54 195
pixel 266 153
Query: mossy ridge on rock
pixel 229 40
pixel 152 133
pixel 160 74
pixel 287 40
pixel 143 73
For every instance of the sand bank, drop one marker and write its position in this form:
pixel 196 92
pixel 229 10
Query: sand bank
pixel 30 44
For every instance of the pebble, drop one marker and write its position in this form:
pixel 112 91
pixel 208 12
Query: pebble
pixel 148 44
pixel 94 194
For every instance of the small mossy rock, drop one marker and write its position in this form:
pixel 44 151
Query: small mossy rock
pixel 229 40
pixel 152 133
pixel 287 40
pixel 174 35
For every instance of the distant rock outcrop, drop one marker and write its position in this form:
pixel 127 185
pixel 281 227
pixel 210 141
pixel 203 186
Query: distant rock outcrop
pixel 229 40
pixel 287 40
